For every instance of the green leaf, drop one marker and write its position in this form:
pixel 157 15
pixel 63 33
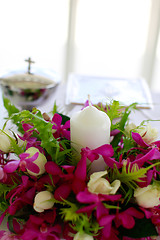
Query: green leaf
pixel 48 142
pixel 143 228
pixel 10 224
pixel 122 123
pixel 9 106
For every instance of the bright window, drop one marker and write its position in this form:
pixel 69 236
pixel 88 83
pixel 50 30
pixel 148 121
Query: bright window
pixel 96 37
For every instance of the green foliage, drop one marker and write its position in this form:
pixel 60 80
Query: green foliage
pixel 69 213
pixel 129 177
pixel 114 111
pixel 122 123
pixel 4 189
pixel 9 106
pixel 80 222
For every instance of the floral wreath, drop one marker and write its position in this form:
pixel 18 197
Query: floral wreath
pixel 47 193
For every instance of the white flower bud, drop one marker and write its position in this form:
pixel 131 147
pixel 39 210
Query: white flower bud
pixel 5 141
pixel 97 184
pixel 82 236
pixel 42 201
pixel 40 161
pixel 148 197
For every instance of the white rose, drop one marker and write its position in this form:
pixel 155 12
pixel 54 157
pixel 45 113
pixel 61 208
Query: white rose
pixel 130 127
pixel 5 141
pixel 148 197
pixel 40 161
pixel 42 201
pixel 82 236
pixel 97 184
pixel 148 133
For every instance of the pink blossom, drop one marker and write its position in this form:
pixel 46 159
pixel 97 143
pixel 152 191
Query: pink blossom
pixel 60 130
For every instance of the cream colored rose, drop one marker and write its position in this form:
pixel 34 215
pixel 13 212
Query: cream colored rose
pixel 148 197
pixel 5 141
pixel 82 236
pixel 40 161
pixel 130 127
pixel 43 201
pixel 97 184
pixel 148 133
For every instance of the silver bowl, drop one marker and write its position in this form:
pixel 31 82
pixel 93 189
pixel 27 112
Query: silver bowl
pixel 26 90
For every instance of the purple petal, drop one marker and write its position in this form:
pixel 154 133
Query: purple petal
pixel 87 197
pixel 105 150
pixel 28 196
pixel 81 170
pixel 52 168
pixel 33 158
pixel 68 168
pixel 106 231
pixel 24 155
pixel 66 134
pixel 32 167
pixel 114 132
pixel 101 211
pixel 111 162
pixel 87 209
pixel 62 192
pixel 134 212
pixel 104 197
pixel 67 124
pixel 127 220
pixel 78 185
pixel 138 139
pixel 25 180
pixel 27 127
pixel 36 220
pixel 11 166
pixel 105 220
pixel 57 119
pixel 151 155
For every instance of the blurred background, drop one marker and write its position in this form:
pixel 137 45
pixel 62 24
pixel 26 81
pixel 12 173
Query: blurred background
pixel 117 38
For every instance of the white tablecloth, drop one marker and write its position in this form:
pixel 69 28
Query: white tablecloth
pixel 60 96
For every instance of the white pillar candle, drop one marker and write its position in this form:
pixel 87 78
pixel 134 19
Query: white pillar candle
pixel 90 127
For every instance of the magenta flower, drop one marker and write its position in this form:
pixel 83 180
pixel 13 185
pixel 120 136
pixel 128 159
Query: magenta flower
pixel 42 227
pixel 126 218
pixel 94 199
pixel 60 130
pixel 31 141
pixel 24 162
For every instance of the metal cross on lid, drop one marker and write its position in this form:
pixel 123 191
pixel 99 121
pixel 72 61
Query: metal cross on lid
pixel 29 64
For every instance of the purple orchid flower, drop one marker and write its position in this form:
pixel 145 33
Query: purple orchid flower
pixel 138 139
pixel 60 130
pixel 42 227
pixel 126 218
pixel 93 200
pixel 31 141
pixel 105 220
pixel 24 162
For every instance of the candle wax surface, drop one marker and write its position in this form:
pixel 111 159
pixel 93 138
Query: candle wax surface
pixel 90 127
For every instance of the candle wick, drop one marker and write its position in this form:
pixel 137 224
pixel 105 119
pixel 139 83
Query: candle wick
pixel 89 100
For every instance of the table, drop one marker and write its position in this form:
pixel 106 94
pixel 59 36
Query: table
pixel 59 95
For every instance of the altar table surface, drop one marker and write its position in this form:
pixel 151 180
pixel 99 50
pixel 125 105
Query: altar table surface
pixel 59 96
